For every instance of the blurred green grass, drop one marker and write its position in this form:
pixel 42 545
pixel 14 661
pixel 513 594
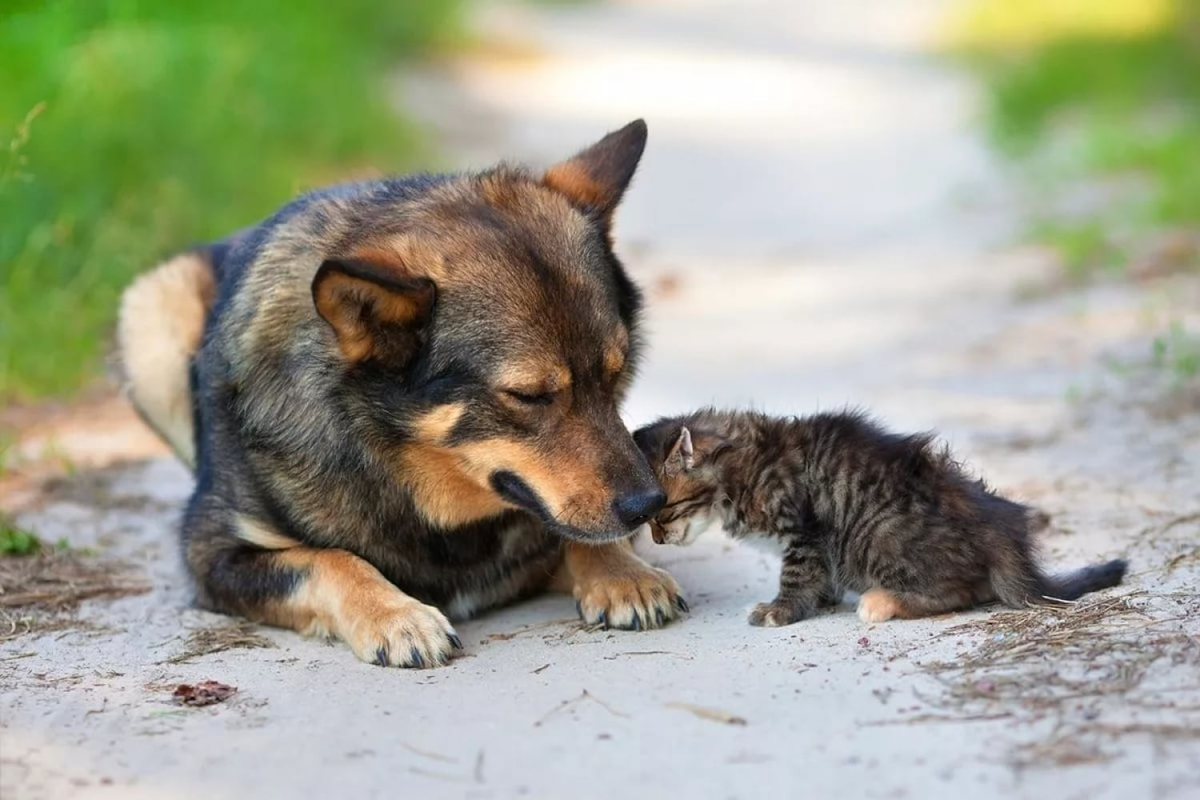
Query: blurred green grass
pixel 130 129
pixel 1086 90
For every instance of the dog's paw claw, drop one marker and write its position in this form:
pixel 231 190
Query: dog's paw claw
pixel 414 659
pixel 641 599
pixel 404 633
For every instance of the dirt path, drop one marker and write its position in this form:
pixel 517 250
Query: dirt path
pixel 817 225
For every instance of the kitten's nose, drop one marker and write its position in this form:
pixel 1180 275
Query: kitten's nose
pixel 636 508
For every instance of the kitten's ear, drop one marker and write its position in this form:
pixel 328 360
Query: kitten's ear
pixel 681 453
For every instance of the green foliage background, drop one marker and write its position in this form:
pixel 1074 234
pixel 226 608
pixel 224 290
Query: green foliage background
pixel 131 128
pixel 1082 90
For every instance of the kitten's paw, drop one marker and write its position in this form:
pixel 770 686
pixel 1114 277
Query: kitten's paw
pixel 878 605
pixel 633 600
pixel 403 633
pixel 775 614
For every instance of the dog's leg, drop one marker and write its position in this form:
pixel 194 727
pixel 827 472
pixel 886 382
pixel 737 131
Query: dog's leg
pixel 322 592
pixel 614 587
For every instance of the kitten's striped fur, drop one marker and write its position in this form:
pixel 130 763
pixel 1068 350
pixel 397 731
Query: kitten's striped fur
pixel 852 506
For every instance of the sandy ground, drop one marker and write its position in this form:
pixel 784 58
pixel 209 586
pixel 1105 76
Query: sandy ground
pixel 817 225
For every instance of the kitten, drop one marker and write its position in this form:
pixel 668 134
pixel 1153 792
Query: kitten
pixel 851 506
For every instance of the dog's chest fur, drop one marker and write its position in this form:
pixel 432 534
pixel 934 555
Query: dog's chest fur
pixel 483 565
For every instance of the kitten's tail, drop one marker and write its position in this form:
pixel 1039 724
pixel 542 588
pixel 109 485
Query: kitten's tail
pixel 1073 585
pixel 1018 581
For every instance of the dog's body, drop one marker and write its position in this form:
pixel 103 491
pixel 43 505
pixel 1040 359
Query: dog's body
pixel 400 398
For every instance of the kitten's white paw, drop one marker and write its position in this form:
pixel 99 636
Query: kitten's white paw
pixel 773 615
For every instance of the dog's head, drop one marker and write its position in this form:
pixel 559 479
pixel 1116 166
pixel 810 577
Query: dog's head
pixel 488 334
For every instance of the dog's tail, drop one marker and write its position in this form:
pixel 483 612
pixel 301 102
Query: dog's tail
pixel 159 329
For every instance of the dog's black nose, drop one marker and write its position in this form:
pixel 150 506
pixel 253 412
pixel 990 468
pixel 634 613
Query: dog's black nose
pixel 636 508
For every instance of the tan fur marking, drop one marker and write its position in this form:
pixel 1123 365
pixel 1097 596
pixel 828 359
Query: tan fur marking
pixel 406 255
pixel 262 536
pixel 159 328
pixel 880 605
pixel 614 360
pixel 534 376
pixel 492 455
pixel 342 595
pixel 441 491
pixel 435 426
pixel 452 485
pixel 616 354
pixel 615 351
pixel 573 181
pixel 588 563
pixel 558 484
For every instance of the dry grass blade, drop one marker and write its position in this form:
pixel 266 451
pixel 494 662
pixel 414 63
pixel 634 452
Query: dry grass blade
pixel 1048 625
pixel 1064 749
pixel 526 630
pixel 428 753
pixel 236 635
pixel 1074 663
pixel 713 714
pixel 584 695
pixel 18 623
pixel 61 579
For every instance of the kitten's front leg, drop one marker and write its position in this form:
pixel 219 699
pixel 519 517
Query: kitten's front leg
pixel 831 596
pixel 802 582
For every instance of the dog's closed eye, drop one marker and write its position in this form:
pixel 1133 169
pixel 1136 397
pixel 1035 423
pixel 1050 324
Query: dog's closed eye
pixel 531 398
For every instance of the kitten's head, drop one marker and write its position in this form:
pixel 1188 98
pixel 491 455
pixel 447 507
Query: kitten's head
pixel 683 454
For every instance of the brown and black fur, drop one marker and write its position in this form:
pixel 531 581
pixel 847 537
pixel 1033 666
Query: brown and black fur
pixel 852 506
pixel 401 401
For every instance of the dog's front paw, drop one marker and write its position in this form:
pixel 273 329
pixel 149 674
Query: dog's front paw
pixel 402 632
pixel 775 614
pixel 636 599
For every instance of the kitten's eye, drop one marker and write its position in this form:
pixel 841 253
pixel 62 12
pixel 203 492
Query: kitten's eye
pixel 530 399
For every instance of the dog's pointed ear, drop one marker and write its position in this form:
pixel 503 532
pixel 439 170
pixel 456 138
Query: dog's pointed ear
pixel 378 313
pixel 596 178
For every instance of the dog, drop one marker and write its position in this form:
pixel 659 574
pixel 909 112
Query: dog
pixel 400 399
